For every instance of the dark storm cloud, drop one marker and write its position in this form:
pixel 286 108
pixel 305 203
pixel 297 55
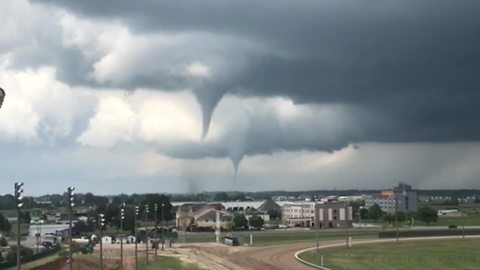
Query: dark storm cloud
pixel 414 63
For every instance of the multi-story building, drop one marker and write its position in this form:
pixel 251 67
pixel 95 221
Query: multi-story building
pixel 401 198
pixel 325 215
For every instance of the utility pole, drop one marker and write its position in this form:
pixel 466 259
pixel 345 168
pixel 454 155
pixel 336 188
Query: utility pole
pixel 135 233
pixel 156 230
pixel 404 194
pixel 37 234
pixel 19 198
pixel 317 224
pixel 396 216
pixel 101 218
pixel 146 231
pixel 71 198
pixel 163 225
pixel 122 217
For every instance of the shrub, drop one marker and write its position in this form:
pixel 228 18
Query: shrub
pixel 3 242
pixel 24 253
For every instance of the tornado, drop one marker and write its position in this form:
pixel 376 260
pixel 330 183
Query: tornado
pixel 2 97
pixel 208 96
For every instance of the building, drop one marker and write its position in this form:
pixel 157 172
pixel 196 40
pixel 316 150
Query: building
pixel 107 240
pixel 318 215
pixel 401 198
pixel 202 217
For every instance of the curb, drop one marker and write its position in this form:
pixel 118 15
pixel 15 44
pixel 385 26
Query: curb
pixel 297 256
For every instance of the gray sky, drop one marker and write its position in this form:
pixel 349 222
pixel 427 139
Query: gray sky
pixel 175 96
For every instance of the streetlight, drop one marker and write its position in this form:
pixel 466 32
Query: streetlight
pixel 163 225
pixel 101 218
pixel 71 198
pixel 122 217
pixel 146 231
pixel 18 198
pixel 135 232
pixel 156 228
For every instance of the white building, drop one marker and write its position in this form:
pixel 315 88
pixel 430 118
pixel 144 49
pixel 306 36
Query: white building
pixel 107 240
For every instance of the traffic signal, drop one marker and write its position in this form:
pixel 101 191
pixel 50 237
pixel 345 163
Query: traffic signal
pixel 18 193
pixel 71 196
pixel 122 213
pixel 101 218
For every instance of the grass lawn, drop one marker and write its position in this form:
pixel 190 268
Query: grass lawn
pixel 167 263
pixel 270 237
pixel 41 261
pixel 425 255
pixel 289 237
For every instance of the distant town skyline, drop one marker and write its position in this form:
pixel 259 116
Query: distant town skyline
pixel 153 96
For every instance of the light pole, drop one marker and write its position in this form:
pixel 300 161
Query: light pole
pixel 71 198
pixel 18 197
pixel 396 217
pixel 156 230
pixel 317 224
pixel 37 234
pixel 101 218
pixel 404 193
pixel 146 232
pixel 163 225
pixel 122 217
pixel 135 233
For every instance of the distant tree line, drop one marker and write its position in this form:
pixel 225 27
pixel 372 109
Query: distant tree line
pixel 374 212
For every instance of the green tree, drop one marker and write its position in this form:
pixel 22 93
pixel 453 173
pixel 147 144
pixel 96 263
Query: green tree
pixel 256 221
pixel 389 218
pixel 159 199
pixel 240 221
pixel 356 206
pixel 221 197
pixel 5 226
pixel 363 213
pixel 401 216
pixel 25 217
pixel 375 212
pixel 427 214
pixel 81 227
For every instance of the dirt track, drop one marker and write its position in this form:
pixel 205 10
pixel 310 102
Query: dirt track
pixel 265 258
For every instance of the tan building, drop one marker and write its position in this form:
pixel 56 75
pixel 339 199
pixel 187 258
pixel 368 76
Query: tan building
pixel 202 217
pixel 327 215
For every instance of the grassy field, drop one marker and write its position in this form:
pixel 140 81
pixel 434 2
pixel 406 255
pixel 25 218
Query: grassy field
pixel 469 215
pixel 273 237
pixel 168 263
pixel 434 255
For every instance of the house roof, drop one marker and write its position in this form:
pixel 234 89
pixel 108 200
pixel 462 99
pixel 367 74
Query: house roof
pixel 268 205
pixel 199 207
